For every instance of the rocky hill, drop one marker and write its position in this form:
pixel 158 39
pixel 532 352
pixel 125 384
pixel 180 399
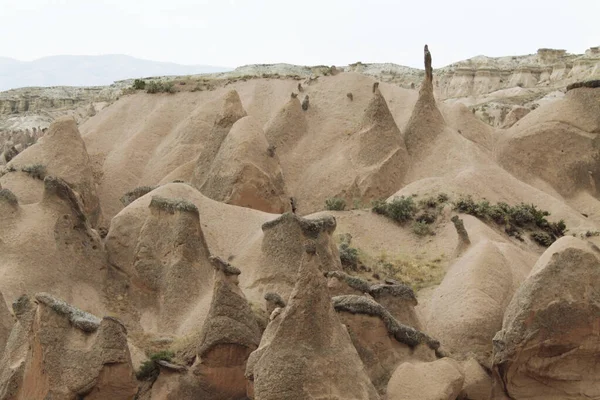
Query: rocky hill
pixel 282 232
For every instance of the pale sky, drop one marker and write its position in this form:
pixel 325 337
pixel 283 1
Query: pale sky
pixel 231 33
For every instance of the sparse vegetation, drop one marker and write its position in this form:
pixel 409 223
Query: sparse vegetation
pixel 400 209
pixel 160 87
pixel 348 256
pixel 335 204
pixel 422 229
pixel 412 271
pixel 172 205
pixel 135 194
pixel 139 84
pixel 37 171
pixel 149 369
pixel 515 218
pixel 271 150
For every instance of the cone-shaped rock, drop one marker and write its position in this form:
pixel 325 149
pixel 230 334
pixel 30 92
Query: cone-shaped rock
pixel 243 174
pixel 287 127
pixel 380 153
pixel 171 261
pixel 282 249
pixel 231 111
pixel 311 355
pixel 60 153
pixel 426 121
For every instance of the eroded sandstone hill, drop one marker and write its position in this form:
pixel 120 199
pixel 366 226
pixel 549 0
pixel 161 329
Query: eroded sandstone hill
pixel 370 242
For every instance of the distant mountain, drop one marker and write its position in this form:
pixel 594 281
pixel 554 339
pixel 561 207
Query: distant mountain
pixel 88 70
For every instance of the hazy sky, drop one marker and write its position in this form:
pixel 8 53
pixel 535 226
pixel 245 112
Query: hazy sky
pixel 332 32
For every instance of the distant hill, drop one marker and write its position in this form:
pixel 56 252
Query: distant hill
pixel 88 70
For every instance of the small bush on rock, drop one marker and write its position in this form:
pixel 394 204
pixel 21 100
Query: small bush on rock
pixel 335 204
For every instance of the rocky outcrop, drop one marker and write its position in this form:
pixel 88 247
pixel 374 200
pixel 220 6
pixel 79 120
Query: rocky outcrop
pixel 548 346
pixel 466 310
pixel 44 357
pixel 426 121
pixel 438 380
pixel 287 127
pixel 230 333
pixel 282 248
pixel 379 153
pixel 381 341
pixel 243 174
pixel 399 300
pixel 170 267
pixel 514 116
pixel 339 283
pixel 62 153
pixel 311 355
pixel 231 110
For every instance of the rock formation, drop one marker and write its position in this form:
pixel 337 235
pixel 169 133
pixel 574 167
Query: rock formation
pixel 282 248
pixel 379 152
pixel 242 175
pixel 466 310
pixel 63 154
pixel 399 300
pixel 548 346
pixel 436 380
pixel 339 283
pixel 382 342
pixel 426 121
pixel 230 333
pixel 44 357
pixel 170 267
pixel 231 111
pixel 287 127
pixel 310 333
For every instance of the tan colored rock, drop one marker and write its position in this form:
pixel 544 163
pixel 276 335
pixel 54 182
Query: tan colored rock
pixel 170 269
pixel 381 341
pixel 399 300
pixel 282 248
pixel 437 380
pixel 339 283
pixel 231 111
pixel 311 355
pixel 549 344
pixel 379 152
pixel 243 174
pixel 477 384
pixel 287 127
pixel 514 116
pixel 49 358
pixel 466 310
pixel 63 154
pixel 426 121
pixel 62 251
pixel 229 335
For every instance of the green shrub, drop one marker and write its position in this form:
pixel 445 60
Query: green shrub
pixel 514 218
pixel 401 209
pixel 335 204
pixel 542 238
pixel 160 87
pixel 139 84
pixel 422 229
pixel 149 369
pixel 348 256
